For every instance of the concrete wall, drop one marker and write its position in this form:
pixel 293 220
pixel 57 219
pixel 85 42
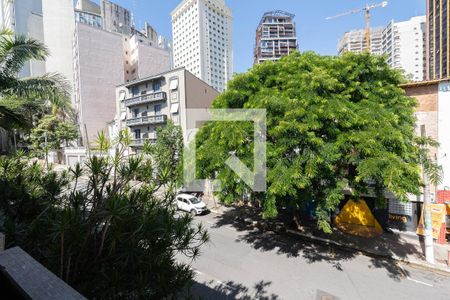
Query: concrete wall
pixel 100 71
pixel 444 131
pixel 59 30
pixel 152 60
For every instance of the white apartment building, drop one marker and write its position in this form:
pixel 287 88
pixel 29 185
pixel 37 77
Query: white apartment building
pixel 355 41
pixel 24 17
pixel 402 42
pixel 202 40
pixel 404 45
pixel 146 104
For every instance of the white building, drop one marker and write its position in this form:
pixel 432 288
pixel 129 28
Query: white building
pixel 144 105
pixel 24 17
pixel 404 44
pixel 59 30
pixel 355 41
pixel 202 40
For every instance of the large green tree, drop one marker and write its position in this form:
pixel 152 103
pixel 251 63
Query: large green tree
pixel 22 99
pixel 333 123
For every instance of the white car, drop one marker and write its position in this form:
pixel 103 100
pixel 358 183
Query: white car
pixel 190 203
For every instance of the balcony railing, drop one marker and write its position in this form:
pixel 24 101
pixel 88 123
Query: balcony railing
pixel 153 97
pixel 141 142
pixel 161 119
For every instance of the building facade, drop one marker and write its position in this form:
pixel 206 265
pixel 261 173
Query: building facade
pixel 202 40
pixel 404 44
pixel 89 13
pixel 104 60
pixel 115 18
pixel 275 37
pixel 146 104
pixel 355 41
pixel 59 30
pixel 438 62
pixel 24 17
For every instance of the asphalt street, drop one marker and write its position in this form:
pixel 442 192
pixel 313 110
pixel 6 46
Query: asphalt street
pixel 241 262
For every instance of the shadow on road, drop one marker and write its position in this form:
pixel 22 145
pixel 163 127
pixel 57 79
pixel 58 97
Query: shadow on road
pixel 263 238
pixel 231 290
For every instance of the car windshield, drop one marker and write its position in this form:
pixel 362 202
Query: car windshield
pixel 194 200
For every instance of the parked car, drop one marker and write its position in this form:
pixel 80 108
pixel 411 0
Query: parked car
pixel 190 204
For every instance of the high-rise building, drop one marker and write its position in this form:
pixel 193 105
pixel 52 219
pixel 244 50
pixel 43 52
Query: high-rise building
pixel 275 37
pixel 438 39
pixel 59 29
pixel 404 45
pixel 355 41
pixel 24 17
pixel 115 17
pixel 104 59
pixel 202 40
pixel 88 12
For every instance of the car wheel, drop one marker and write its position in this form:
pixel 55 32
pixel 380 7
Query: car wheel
pixel 193 212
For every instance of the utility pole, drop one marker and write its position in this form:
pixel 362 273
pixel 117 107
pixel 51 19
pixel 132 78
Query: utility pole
pixel 429 247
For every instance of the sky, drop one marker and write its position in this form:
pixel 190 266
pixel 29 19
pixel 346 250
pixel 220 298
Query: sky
pixel 313 31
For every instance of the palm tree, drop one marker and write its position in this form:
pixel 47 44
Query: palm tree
pixel 22 98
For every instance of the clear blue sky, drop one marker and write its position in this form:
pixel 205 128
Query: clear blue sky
pixel 313 31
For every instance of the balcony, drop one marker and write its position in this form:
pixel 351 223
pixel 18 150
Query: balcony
pixel 141 142
pixel 161 119
pixel 147 98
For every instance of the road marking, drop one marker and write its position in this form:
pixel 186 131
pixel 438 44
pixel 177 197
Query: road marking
pixel 412 279
pixel 418 281
pixel 210 223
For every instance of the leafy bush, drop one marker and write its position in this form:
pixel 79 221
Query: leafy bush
pixel 104 233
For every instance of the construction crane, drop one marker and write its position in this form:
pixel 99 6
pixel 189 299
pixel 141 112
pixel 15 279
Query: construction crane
pixel 367 10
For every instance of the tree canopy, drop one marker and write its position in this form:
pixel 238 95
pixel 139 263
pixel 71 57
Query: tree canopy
pixel 53 130
pixel 333 123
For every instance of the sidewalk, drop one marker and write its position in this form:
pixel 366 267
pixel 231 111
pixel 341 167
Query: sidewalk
pixel 396 246
pixel 406 248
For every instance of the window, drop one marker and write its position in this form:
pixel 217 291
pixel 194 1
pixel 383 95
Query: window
pixel 157 109
pixel 135 90
pixel 156 86
pixel 174 108
pixel 137 134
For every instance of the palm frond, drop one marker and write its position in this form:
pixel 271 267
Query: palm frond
pixel 52 87
pixel 16 50
pixel 10 119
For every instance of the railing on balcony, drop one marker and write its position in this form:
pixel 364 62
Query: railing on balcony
pixel 161 119
pixel 153 97
pixel 141 142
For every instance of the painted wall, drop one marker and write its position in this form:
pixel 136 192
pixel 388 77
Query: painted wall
pixel 444 131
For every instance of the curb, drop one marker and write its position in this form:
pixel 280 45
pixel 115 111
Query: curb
pixel 216 210
pixel 423 265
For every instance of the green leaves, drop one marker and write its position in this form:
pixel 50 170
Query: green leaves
pixel 98 229
pixel 334 123
pixel 34 93
pixel 52 133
